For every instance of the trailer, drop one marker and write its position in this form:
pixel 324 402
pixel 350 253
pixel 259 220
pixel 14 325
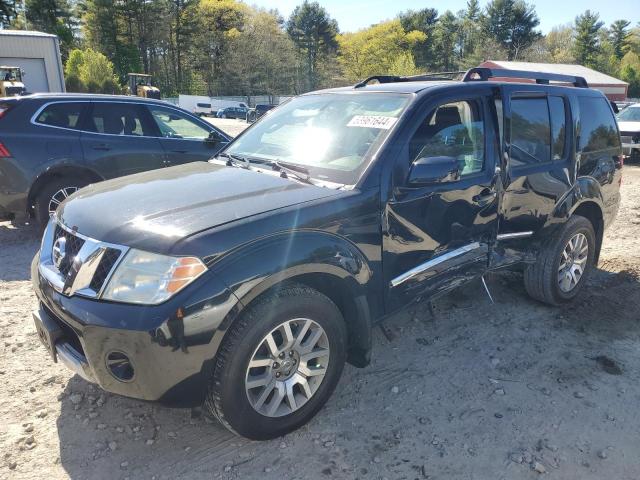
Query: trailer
pixel 37 55
pixel 201 105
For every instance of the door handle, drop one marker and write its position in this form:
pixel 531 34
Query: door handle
pixel 485 197
pixel 101 146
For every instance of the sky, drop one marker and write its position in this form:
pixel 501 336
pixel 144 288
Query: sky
pixel 356 14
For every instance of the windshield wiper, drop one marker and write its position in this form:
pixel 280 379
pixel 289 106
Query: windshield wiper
pixel 235 160
pixel 299 172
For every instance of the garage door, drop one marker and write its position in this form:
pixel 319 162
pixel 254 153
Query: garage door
pixel 35 78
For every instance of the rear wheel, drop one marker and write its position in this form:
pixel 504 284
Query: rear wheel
pixel 278 364
pixel 564 263
pixel 53 194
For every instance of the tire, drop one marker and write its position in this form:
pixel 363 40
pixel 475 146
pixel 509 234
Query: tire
pixel 69 184
pixel 542 280
pixel 228 397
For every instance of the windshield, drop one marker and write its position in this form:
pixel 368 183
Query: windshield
pixel 630 114
pixel 10 74
pixel 330 135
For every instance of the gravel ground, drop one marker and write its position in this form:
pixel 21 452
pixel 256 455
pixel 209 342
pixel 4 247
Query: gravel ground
pixel 513 390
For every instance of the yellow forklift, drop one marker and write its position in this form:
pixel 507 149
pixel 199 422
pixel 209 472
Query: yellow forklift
pixel 11 82
pixel 140 85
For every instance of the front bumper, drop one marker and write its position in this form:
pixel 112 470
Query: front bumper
pixel 171 355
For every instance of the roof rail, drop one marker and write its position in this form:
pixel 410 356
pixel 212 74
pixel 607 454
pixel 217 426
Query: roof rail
pixel 483 74
pixel 425 77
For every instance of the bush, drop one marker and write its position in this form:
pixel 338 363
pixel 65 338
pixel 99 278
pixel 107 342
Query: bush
pixel 90 71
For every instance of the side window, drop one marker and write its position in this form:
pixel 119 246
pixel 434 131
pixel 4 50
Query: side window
pixel 65 115
pixel 598 129
pixel 117 119
pixel 173 124
pixel 530 131
pixel 558 127
pixel 452 130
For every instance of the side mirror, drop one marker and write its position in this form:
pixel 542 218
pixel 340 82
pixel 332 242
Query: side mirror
pixel 214 138
pixel 431 170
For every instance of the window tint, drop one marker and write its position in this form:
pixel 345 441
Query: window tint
pixel 558 127
pixel 116 119
pixel 174 124
pixel 598 129
pixel 64 115
pixel 452 130
pixel 530 131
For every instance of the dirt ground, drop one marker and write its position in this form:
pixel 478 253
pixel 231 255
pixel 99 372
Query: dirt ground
pixel 514 390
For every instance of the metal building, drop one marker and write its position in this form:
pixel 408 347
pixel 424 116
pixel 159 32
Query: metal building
pixel 612 87
pixel 38 54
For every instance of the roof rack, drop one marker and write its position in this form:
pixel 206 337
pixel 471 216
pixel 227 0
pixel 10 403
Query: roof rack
pixel 483 74
pixel 425 77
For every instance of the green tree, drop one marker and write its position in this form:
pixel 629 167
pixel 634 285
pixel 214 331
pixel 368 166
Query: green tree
pixel 90 71
pixel 7 12
pixel 425 21
pixel 559 42
pixel 587 40
pixel 218 23
pixel 313 32
pixel 53 16
pixel 512 25
pixel 445 36
pixel 619 36
pixel 378 50
pixel 470 21
pixel 630 73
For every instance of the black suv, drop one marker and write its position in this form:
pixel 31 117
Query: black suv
pixel 258 111
pixel 53 144
pixel 247 282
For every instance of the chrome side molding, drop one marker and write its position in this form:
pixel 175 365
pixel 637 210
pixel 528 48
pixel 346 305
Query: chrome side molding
pixel 509 236
pixel 433 262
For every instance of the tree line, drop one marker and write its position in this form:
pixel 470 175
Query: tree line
pixel 226 47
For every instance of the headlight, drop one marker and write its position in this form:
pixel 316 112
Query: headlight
pixel 149 278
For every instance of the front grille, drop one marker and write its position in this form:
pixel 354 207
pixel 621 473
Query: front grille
pixel 69 334
pixel 11 91
pixel 73 246
pixel 629 137
pixel 109 259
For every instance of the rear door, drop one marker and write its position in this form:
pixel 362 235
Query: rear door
pixel 120 139
pixel 183 137
pixel 537 133
pixel 436 236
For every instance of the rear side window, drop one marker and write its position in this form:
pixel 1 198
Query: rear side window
pixel 530 131
pixel 558 127
pixel 117 119
pixel 598 129
pixel 64 115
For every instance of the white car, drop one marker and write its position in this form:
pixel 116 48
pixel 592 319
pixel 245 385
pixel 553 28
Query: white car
pixel 629 125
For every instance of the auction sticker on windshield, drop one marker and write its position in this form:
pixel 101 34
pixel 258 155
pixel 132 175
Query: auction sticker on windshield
pixel 372 121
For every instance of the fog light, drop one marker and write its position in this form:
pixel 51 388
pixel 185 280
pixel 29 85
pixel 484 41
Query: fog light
pixel 120 366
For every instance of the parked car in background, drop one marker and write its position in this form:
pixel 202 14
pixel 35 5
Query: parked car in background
pixel 232 112
pixel 54 144
pixel 629 125
pixel 203 109
pixel 247 282
pixel 258 111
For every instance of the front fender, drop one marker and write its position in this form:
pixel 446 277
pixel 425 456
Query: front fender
pixel 323 260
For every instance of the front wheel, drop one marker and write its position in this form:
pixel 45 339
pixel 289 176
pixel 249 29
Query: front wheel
pixel 563 264
pixel 53 194
pixel 278 364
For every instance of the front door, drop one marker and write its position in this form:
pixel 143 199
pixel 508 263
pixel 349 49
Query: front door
pixel 184 138
pixel 437 234
pixel 119 139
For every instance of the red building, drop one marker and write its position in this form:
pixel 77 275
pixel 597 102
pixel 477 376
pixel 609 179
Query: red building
pixel 613 88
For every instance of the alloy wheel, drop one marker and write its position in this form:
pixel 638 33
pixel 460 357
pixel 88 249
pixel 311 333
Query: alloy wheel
pixel 573 262
pixel 287 368
pixel 58 197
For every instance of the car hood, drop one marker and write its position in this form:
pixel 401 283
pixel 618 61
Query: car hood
pixel 629 126
pixel 154 210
